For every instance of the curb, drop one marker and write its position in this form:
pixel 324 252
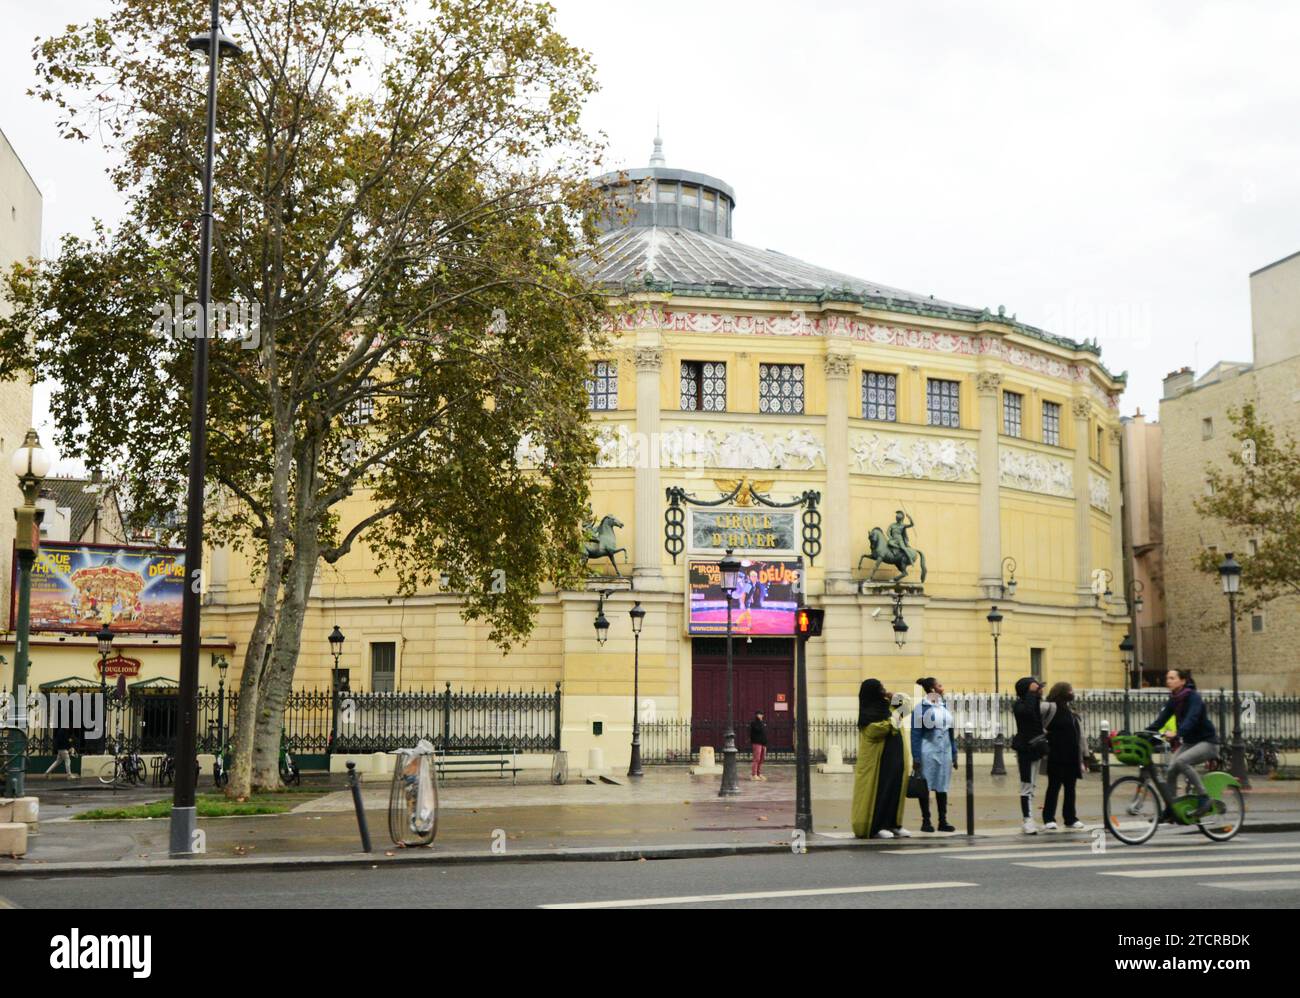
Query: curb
pixel 426 857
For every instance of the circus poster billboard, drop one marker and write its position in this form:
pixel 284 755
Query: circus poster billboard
pixel 78 588
pixel 763 602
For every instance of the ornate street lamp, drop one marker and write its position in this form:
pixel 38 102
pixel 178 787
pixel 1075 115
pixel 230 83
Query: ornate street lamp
pixel 31 464
pixel 336 640
pixel 602 622
pixel 1230 576
pixel 638 618
pixel 1008 578
pixel 999 762
pixel 215 43
pixel 104 642
pixel 1126 650
pixel 730 569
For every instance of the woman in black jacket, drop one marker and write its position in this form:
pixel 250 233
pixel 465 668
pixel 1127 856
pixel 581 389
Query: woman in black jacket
pixel 758 743
pixel 1066 755
pixel 1029 743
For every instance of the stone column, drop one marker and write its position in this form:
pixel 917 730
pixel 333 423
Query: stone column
pixel 1082 409
pixel 1116 436
pixel 988 387
pixel 837 537
pixel 648 539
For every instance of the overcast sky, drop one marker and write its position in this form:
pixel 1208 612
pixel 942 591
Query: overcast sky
pixel 1108 170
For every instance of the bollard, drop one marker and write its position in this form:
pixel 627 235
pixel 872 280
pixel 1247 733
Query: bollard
pixel 970 784
pixel 1105 761
pixel 355 784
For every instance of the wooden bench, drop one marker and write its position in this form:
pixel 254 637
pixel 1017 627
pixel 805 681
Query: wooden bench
pixel 499 765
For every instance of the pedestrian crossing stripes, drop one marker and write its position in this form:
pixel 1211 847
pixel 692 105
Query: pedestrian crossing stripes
pixel 1101 860
pixel 759 895
pixel 1205 871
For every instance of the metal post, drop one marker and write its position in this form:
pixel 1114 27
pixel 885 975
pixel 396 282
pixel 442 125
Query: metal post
pixel 16 784
pixel 730 787
pixel 1238 748
pixel 803 776
pixel 558 726
pixel 1105 761
pixel 362 827
pixel 999 761
pixel 634 768
pixel 970 783
pixel 184 815
pixel 446 718
pixel 334 707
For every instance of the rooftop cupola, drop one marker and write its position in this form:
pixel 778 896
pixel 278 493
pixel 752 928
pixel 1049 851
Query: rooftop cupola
pixel 658 195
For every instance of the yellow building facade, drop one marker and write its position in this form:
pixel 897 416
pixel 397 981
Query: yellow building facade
pixel 731 364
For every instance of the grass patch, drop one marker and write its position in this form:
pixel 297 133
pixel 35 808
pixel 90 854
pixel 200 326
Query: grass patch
pixel 209 806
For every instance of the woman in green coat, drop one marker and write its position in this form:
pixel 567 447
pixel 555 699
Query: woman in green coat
pixel 880 776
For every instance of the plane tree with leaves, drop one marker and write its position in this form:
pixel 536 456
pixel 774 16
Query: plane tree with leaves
pixel 401 192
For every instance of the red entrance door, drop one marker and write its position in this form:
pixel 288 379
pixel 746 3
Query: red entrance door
pixel 762 679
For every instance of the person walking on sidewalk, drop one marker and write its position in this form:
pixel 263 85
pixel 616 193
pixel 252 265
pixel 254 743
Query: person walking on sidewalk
pixel 758 742
pixel 63 748
pixel 1030 743
pixel 1199 740
pixel 1066 757
pixel 934 751
pixel 880 776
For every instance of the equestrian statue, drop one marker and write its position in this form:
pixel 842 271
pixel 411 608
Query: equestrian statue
pixel 893 548
pixel 600 542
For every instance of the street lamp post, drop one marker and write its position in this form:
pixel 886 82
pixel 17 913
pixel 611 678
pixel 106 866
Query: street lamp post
pixel 999 761
pixel 336 640
pixel 31 464
pixel 730 569
pixel 1230 576
pixel 184 815
pixel 638 618
pixel 104 641
pixel 1135 604
pixel 602 622
pixel 1008 577
pixel 1126 650
pixel 898 623
pixel 222 665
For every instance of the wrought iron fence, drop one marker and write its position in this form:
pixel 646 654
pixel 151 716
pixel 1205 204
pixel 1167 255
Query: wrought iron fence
pixel 457 722
pixel 669 740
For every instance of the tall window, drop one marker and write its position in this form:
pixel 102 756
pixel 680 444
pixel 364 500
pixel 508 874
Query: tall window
pixel 1052 423
pixel 1011 409
pixel 1036 657
pixel 780 388
pixel 703 386
pixel 602 386
pixel 363 409
pixel 383 666
pixel 941 402
pixel 880 396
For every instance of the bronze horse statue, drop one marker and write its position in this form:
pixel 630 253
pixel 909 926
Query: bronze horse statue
pixel 882 551
pixel 601 542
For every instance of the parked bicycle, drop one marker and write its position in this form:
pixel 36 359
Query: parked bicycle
pixel 1263 758
pixel 221 759
pixel 1135 805
pixel 289 773
pixel 125 769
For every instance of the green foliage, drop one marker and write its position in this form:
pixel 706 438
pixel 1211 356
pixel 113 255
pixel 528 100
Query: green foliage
pixel 1257 497
pixel 209 806
pixel 400 190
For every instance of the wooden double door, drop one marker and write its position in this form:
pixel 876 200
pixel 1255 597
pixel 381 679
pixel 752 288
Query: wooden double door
pixel 762 679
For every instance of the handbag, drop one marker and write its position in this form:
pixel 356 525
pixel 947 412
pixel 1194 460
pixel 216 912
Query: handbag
pixel 916 787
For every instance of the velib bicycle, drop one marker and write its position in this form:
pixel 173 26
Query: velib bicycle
pixel 289 773
pixel 125 769
pixel 1134 805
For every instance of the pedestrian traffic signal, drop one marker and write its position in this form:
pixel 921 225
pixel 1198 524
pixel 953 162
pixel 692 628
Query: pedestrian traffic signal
pixel 808 622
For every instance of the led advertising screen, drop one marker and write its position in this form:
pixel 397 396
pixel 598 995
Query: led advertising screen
pixel 763 601
pixel 77 588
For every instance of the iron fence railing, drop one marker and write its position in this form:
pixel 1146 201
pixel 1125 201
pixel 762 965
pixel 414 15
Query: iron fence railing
pixel 457 722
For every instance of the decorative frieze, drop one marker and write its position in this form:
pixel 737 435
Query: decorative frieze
pixel 1030 471
pixel 900 455
pixel 699 447
pixel 1098 492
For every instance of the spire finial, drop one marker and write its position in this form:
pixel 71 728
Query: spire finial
pixel 657 157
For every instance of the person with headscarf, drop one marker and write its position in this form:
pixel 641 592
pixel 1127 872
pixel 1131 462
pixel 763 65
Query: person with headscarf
pixel 934 751
pixel 1067 752
pixel 1030 743
pixel 880 776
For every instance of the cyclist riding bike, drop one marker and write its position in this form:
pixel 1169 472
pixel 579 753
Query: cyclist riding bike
pixel 1199 742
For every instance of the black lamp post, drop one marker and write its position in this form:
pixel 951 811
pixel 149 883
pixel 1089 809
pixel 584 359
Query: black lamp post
pixel 1135 605
pixel 730 569
pixel 638 618
pixel 336 640
pixel 104 641
pixel 898 623
pixel 1126 650
pixel 602 622
pixel 222 665
pixel 1008 577
pixel 999 762
pixel 1230 576
pixel 184 817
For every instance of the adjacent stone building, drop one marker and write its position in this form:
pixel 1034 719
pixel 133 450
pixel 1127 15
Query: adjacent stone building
pixel 1196 431
pixel 1144 546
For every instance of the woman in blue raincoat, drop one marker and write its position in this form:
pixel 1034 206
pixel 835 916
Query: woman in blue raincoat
pixel 934 751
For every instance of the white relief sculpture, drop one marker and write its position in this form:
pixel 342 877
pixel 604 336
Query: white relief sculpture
pixel 799 446
pixel 688 447
pixel 1032 472
pixel 529 453
pixel 1099 492
pixel 894 456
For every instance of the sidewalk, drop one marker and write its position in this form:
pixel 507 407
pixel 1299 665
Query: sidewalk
pixel 666 813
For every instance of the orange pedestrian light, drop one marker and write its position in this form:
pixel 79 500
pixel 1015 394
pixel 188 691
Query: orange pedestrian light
pixel 808 621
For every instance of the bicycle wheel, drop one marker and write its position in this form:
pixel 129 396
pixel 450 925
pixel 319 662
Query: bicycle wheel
pixel 1132 810
pixel 108 772
pixel 1224 824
